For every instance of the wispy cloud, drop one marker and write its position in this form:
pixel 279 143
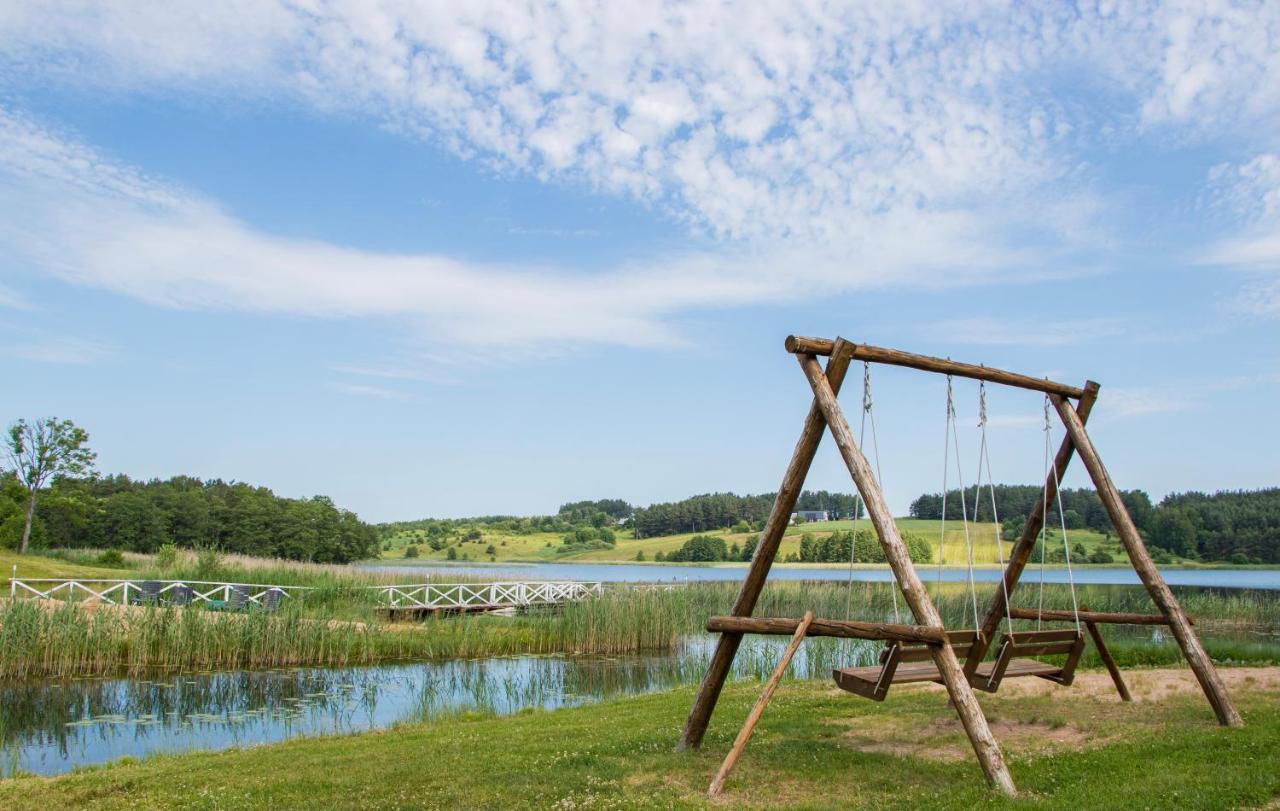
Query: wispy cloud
pixel 1250 190
pixel 818 146
pixel 10 298
pixel 42 346
pixel 376 392
pixel 990 331
pixel 72 211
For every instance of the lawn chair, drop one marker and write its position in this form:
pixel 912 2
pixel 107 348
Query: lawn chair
pixel 182 595
pixel 270 600
pixel 150 593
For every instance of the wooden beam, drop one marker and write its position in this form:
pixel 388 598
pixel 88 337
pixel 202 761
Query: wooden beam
pixel 740 743
pixel 895 551
pixel 1021 552
pixel 704 703
pixel 1200 663
pixel 928 363
pixel 843 629
pixel 1106 617
pixel 1104 653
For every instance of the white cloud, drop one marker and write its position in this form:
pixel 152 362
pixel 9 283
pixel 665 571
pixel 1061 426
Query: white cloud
pixel 1251 191
pixel 825 146
pixel 73 213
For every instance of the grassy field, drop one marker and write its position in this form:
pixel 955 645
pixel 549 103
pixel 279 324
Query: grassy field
pixel 815 748
pixel 35 566
pixel 541 547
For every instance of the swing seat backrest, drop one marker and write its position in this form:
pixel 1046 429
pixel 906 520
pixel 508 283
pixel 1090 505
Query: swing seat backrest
pixel 1016 647
pixel 873 682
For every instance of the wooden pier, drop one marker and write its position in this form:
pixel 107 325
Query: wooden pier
pixel 425 599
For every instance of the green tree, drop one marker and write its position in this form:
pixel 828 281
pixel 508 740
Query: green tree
pixel 40 451
pixel 1173 530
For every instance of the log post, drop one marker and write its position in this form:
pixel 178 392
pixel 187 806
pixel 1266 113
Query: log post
pixel 766 550
pixel 970 712
pixel 753 717
pixel 1200 663
pixel 1104 653
pixel 1021 551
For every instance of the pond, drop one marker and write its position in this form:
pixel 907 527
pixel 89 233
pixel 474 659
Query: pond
pixel 50 727
pixel 646 573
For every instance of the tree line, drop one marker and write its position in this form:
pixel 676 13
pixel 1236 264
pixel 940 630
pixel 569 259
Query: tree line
pixel 116 512
pixel 1081 507
pixel 725 510
pixel 1230 526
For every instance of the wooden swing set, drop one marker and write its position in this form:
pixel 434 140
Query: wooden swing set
pixel 925 651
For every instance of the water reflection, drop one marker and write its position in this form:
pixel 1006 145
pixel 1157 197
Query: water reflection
pixel 53 726
pixel 50 727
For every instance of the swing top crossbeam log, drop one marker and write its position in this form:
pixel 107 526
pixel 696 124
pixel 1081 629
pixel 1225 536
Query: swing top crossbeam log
pixel 878 354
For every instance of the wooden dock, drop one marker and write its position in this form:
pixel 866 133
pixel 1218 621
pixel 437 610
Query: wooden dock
pixel 425 599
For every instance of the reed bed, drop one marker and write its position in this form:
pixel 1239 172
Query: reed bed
pixel 75 640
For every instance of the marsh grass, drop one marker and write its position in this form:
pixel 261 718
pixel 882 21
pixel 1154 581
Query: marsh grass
pixel 336 625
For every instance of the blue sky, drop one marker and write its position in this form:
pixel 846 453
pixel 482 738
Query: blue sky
pixel 435 261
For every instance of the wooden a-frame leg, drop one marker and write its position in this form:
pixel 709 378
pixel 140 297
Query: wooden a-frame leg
pixel 1200 663
pixel 975 723
pixel 1104 654
pixel 766 550
pixel 1021 552
pixel 753 717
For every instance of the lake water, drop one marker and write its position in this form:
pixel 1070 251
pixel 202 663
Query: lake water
pixel 50 727
pixel 646 573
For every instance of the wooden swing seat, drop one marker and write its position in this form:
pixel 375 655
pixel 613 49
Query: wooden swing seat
pixel 873 682
pixel 909 664
pixel 1009 661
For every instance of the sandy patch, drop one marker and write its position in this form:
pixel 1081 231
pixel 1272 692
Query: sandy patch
pixel 943 739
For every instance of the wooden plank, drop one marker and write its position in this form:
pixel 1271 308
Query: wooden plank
pixel 1034 637
pixel 844 629
pixel 1020 667
pixel 1105 655
pixel 735 752
pixel 1160 593
pixel 1105 617
pixel 975 723
pixel 704 703
pixel 927 363
pixel 1021 552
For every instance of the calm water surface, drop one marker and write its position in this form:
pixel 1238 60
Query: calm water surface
pixel 49 727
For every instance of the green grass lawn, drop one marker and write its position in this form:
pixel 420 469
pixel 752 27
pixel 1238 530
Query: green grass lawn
pixel 541 547
pixel 816 747
pixel 34 565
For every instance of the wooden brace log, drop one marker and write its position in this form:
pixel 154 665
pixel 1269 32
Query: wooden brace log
pixel 894 357
pixel 843 629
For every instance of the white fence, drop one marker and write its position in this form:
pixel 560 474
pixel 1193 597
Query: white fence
pixel 125 592
pixel 480 596
pixel 422 596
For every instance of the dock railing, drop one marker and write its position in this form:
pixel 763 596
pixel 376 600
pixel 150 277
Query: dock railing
pixel 126 592
pixel 473 596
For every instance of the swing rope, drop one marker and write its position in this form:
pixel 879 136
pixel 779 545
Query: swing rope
pixel 867 412
pixel 984 460
pixel 953 441
pixel 1044 530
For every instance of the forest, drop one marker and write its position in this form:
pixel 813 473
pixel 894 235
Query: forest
pixel 1228 527
pixel 116 512
pixel 1081 507
pixel 721 510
